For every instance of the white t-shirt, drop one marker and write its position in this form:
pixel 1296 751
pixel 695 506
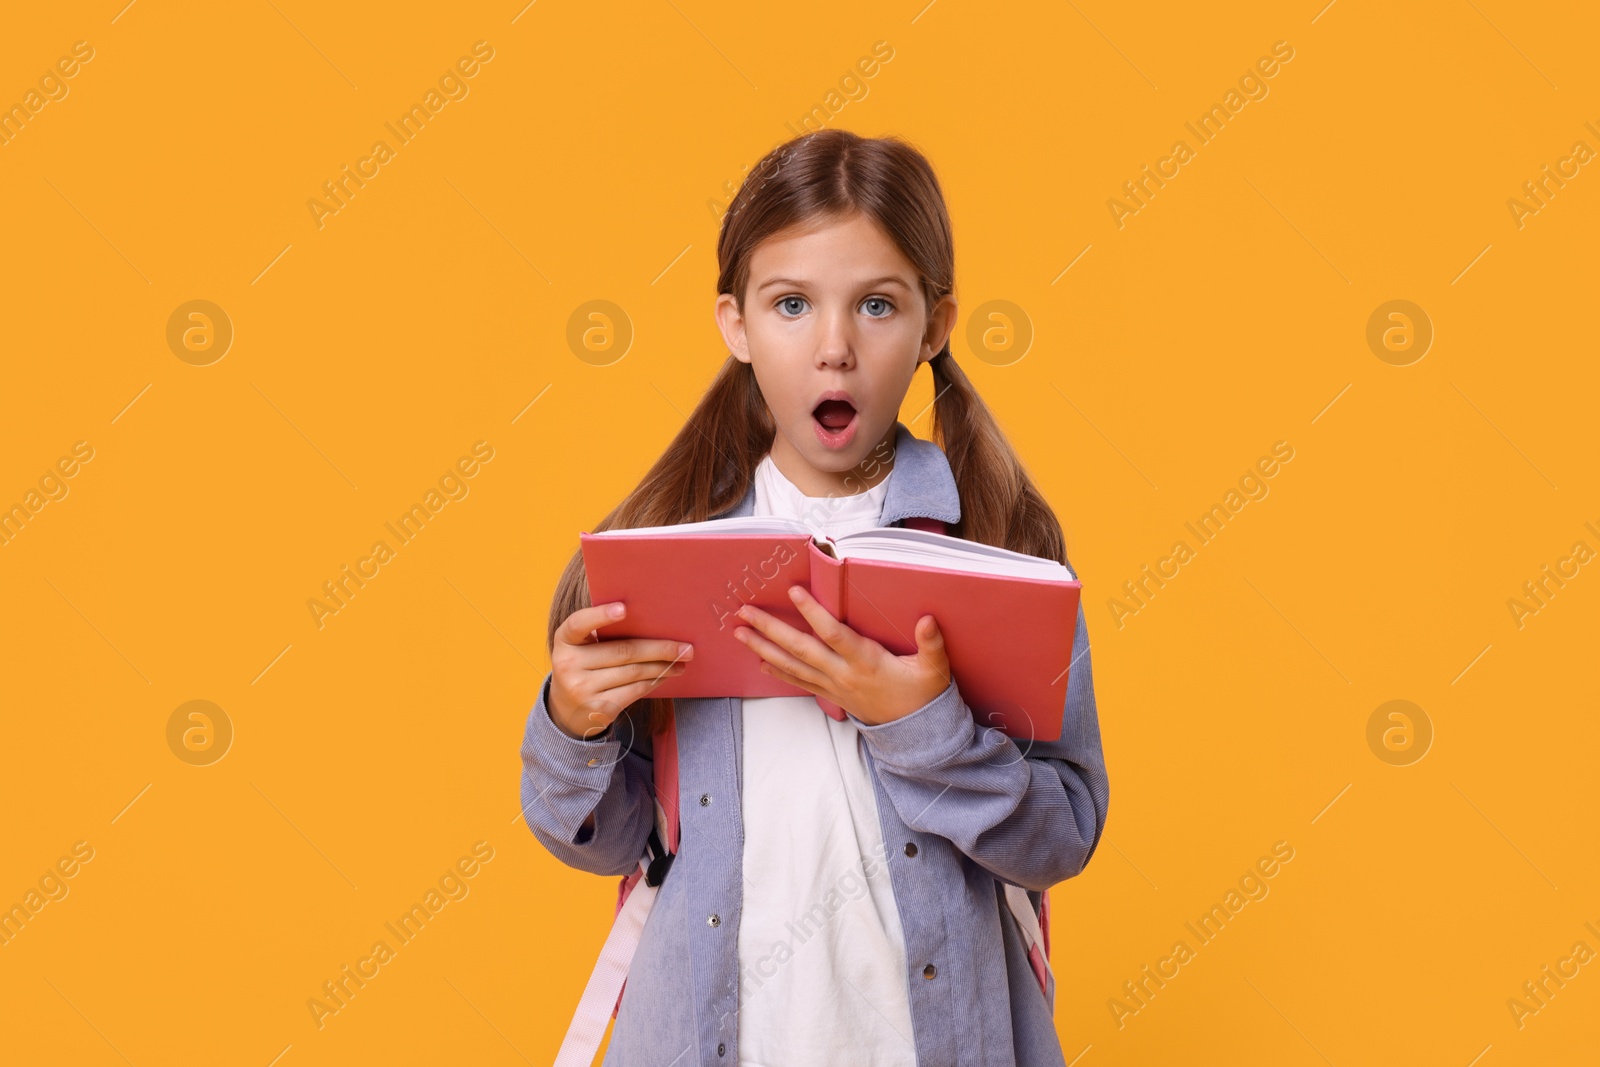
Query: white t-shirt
pixel 822 967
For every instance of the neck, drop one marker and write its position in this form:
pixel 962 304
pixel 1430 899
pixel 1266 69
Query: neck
pixel 871 470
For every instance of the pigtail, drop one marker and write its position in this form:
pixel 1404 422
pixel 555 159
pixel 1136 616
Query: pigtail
pixel 1000 505
pixel 705 470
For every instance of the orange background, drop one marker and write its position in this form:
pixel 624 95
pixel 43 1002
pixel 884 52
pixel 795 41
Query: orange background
pixel 588 162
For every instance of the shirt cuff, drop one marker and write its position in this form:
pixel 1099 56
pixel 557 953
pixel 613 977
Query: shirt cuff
pixel 583 762
pixel 934 734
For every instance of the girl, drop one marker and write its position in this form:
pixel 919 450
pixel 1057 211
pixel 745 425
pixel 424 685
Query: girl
pixel 838 896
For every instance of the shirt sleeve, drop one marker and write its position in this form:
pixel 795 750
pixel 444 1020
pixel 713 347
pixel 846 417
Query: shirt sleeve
pixel 565 780
pixel 1030 812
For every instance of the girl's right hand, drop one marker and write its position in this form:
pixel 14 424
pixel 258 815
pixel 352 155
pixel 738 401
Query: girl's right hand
pixel 593 680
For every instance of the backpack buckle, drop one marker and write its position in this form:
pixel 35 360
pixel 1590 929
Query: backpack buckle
pixel 660 863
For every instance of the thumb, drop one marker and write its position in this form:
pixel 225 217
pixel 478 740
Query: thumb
pixel 930 639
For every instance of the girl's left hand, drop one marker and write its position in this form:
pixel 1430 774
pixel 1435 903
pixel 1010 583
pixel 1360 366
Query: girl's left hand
pixel 838 664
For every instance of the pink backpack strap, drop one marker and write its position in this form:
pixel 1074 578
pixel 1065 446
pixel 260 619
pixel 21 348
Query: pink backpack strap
pixel 665 752
pixel 1031 924
pixel 1044 921
pixel 666 779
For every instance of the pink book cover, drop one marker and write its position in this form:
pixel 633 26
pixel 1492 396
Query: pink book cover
pixel 1009 639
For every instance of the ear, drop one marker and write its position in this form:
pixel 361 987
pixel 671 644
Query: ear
pixel 941 323
pixel 731 323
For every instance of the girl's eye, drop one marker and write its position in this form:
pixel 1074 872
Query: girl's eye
pixel 877 307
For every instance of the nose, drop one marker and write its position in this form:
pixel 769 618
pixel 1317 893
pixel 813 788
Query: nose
pixel 836 345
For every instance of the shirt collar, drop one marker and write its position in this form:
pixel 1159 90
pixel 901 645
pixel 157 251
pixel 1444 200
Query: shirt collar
pixel 922 486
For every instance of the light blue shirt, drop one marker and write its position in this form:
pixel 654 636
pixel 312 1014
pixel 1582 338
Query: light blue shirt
pixel 960 807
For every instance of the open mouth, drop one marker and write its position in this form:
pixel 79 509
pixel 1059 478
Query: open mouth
pixel 836 421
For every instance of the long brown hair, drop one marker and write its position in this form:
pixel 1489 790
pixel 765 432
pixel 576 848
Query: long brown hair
pixel 708 466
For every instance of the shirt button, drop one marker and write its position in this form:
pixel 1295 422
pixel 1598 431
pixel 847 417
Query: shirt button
pixel 713 919
pixel 705 800
pixel 721 1048
pixel 911 848
pixel 929 971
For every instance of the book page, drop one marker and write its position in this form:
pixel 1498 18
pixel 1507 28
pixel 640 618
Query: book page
pixel 928 549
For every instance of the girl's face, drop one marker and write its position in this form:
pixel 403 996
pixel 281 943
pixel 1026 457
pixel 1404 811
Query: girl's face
pixel 834 326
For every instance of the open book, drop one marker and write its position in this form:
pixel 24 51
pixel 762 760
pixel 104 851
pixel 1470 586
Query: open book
pixel 1008 619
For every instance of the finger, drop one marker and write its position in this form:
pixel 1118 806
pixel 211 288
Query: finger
pixel 833 633
pixel 639 690
pixel 777 656
pixel 785 676
pixel 606 708
pixel 607 678
pixel 930 644
pixel 608 704
pixel 801 647
pixel 576 628
pixel 618 651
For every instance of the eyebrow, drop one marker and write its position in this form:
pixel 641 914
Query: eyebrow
pixel 887 279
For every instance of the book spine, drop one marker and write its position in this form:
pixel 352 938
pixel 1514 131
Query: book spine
pixel 828 582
